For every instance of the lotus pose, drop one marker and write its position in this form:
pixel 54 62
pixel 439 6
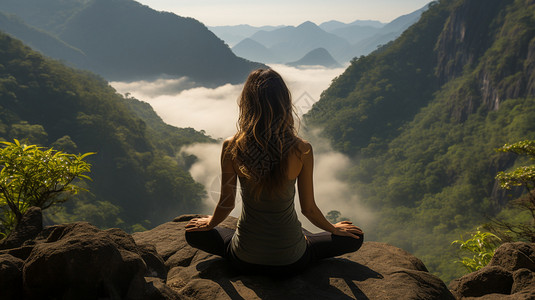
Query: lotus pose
pixel 268 158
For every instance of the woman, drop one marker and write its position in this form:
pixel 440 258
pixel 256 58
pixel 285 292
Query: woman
pixel 269 158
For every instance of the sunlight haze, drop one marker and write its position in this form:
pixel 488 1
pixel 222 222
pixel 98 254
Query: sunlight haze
pixel 279 12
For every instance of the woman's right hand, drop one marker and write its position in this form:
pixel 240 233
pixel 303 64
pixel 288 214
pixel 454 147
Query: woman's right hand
pixel 199 224
pixel 346 228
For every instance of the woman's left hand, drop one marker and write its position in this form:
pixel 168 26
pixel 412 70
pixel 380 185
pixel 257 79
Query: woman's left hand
pixel 199 224
pixel 346 228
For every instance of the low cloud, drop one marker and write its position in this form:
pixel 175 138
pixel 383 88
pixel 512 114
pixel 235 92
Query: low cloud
pixel 306 85
pixel 215 111
pixel 331 192
pixel 158 87
pixel 212 110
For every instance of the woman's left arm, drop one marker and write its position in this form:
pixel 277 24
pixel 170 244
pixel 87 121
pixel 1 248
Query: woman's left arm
pixel 227 198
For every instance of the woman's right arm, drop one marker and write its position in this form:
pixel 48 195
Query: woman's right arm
pixel 227 196
pixel 305 186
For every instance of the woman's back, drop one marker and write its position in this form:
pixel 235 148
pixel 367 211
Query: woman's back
pixel 268 230
pixel 269 158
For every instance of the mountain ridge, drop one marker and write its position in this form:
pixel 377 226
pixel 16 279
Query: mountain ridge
pixel 343 41
pixel 124 41
pixel 422 115
pixel 138 177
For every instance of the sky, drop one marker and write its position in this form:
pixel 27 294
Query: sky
pixel 285 12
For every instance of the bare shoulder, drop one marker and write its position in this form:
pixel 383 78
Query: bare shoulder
pixel 225 149
pixel 304 146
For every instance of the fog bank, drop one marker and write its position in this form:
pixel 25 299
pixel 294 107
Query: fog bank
pixel 215 111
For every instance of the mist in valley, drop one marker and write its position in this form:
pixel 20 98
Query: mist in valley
pixel 215 111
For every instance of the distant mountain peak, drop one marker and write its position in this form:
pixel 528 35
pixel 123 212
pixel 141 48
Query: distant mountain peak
pixel 317 57
pixel 307 24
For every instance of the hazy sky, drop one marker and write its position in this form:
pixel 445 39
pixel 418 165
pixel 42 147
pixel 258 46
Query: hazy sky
pixel 285 12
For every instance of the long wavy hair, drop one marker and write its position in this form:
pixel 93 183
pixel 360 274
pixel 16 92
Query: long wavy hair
pixel 266 133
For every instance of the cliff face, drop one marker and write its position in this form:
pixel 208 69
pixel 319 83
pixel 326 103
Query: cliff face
pixel 492 43
pixel 467 33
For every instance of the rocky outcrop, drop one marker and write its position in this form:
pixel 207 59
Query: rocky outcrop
pixel 11 276
pixel 509 275
pixel 376 271
pixel 28 228
pixel 80 261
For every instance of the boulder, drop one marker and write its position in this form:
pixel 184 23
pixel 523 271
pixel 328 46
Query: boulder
pixel 10 277
pixel 376 271
pixel 523 280
pixel 487 280
pixel 28 228
pixel 79 261
pixel 514 256
pixel 509 275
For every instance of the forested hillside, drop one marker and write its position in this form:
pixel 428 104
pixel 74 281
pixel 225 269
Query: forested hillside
pixel 422 117
pixel 138 179
pixel 124 40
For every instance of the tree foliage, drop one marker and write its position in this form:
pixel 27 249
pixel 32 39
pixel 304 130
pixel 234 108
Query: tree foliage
pixel 523 176
pixel 34 176
pixel 481 246
pixel 335 216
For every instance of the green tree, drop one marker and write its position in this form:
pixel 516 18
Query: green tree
pixel 335 216
pixel 34 176
pixel 481 245
pixel 523 176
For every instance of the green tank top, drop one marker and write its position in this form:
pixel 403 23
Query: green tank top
pixel 268 231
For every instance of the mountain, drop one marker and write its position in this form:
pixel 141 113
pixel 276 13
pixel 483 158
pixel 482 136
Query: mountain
pixel 329 26
pixel 292 43
pixel 40 40
pixel 421 117
pixel 385 34
pixel 366 36
pixel 355 33
pixel 317 57
pixel 255 51
pixel 343 41
pixel 370 44
pixel 48 15
pixel 138 177
pixel 124 40
pixel 236 33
